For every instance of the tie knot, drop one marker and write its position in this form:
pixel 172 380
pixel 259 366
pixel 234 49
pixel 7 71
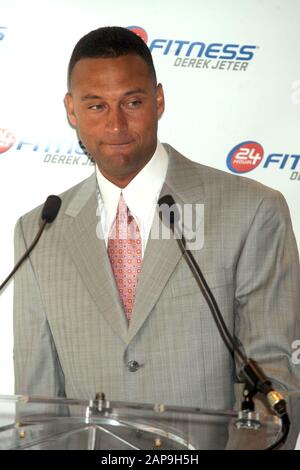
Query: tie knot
pixel 124 226
pixel 122 206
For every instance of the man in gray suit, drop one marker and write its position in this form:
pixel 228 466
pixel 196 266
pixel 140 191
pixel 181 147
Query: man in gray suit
pixel 72 337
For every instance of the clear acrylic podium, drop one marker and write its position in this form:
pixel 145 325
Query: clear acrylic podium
pixel 41 423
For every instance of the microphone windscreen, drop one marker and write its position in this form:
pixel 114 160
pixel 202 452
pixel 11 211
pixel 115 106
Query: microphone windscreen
pixel 51 208
pixel 168 210
pixel 167 199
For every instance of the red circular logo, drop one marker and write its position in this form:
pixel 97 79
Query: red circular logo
pixel 7 140
pixel 245 157
pixel 139 32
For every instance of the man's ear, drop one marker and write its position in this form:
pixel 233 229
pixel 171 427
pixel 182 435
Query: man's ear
pixel 69 104
pixel 160 100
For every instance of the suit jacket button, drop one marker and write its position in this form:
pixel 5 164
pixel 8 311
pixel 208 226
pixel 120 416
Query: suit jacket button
pixel 133 366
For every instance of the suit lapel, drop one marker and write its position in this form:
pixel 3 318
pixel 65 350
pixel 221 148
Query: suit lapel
pixel 89 254
pixel 160 260
pixel 162 256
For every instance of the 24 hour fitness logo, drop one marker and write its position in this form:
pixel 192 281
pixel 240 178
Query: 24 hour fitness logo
pixel 139 32
pixel 248 155
pixel 198 54
pixel 245 157
pixel 7 140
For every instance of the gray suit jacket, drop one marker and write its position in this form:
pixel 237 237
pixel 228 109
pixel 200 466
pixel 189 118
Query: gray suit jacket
pixel 71 335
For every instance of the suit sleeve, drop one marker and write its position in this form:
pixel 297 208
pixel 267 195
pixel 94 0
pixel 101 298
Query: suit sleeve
pixel 36 363
pixel 267 317
pixel 267 306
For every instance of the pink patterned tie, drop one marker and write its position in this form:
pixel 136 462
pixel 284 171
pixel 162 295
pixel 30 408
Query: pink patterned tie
pixel 125 254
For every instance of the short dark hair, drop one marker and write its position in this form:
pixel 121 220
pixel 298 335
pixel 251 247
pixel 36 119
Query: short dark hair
pixel 110 42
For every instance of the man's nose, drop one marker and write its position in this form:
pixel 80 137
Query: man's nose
pixel 116 120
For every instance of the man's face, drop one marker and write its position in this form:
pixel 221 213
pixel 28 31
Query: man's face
pixel 115 106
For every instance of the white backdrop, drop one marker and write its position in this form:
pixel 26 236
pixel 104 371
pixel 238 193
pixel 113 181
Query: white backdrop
pixel 240 84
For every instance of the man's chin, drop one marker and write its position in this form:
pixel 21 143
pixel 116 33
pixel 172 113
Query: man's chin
pixel 121 172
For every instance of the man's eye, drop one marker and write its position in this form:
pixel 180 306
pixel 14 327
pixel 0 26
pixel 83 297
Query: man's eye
pixel 134 103
pixel 96 107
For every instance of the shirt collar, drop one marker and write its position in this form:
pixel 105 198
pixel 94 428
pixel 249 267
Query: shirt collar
pixel 141 193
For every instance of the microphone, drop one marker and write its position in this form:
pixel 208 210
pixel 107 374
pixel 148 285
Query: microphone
pixel 251 372
pixel 49 213
pixel 51 209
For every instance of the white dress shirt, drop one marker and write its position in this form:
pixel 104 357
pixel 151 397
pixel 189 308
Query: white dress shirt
pixel 141 195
